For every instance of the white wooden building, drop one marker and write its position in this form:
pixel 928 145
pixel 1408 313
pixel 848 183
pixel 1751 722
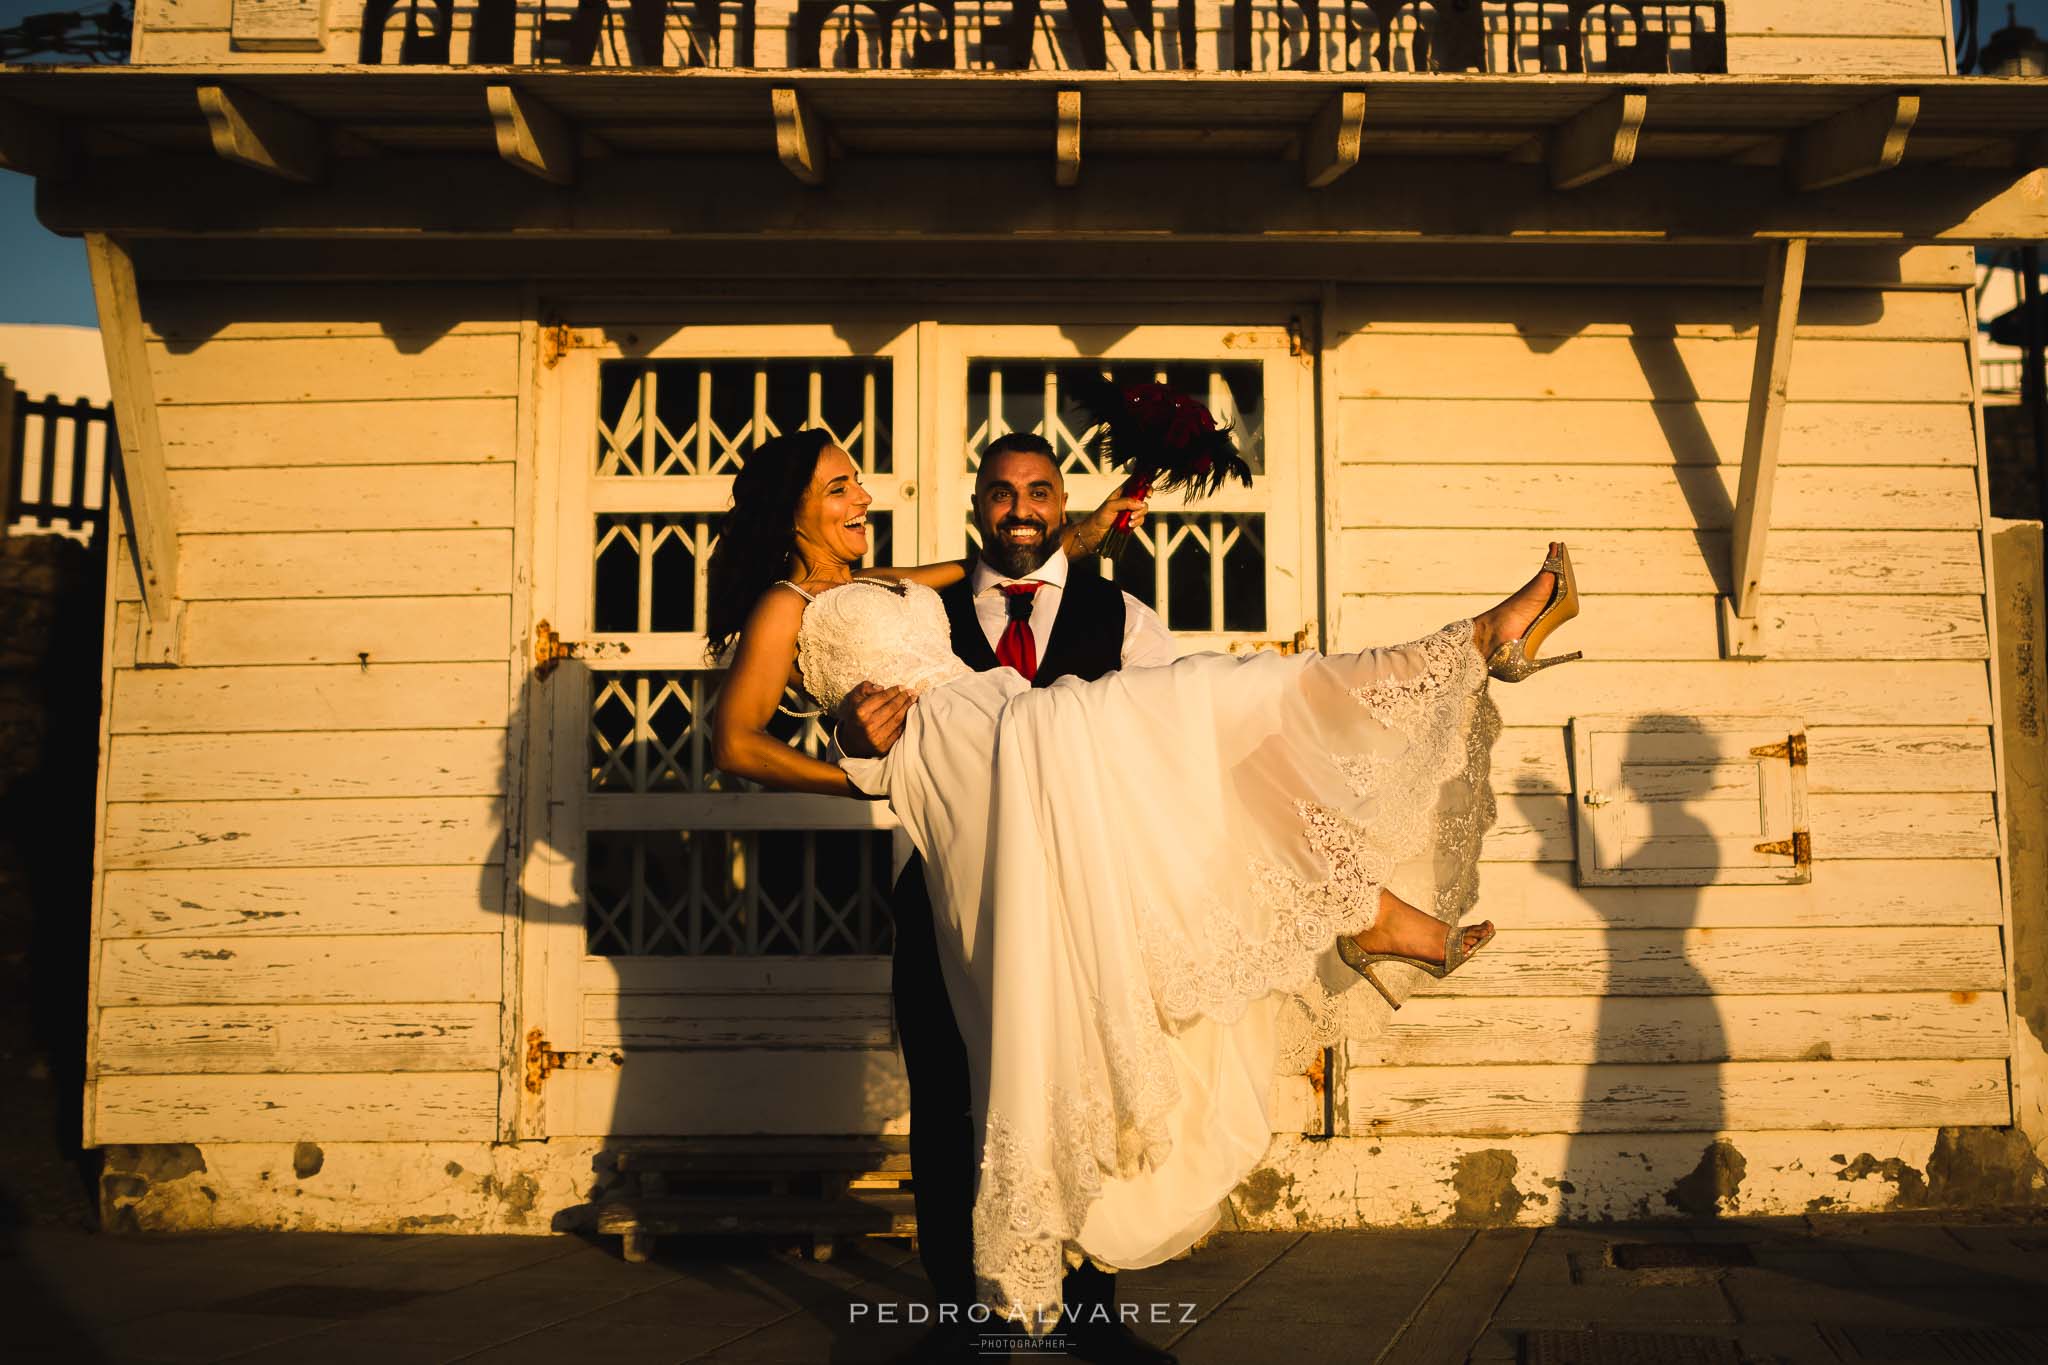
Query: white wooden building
pixel 436 333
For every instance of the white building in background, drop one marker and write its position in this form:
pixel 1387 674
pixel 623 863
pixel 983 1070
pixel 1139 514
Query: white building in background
pixel 64 362
pixel 48 467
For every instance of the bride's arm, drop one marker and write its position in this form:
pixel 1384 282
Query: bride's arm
pixel 1080 539
pixel 763 663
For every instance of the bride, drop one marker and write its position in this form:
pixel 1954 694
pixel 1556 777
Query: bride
pixel 1145 886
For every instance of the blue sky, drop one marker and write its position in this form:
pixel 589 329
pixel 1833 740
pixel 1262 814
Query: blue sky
pixel 46 276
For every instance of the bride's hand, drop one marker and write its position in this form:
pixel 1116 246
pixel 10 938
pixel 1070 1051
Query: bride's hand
pixel 1084 538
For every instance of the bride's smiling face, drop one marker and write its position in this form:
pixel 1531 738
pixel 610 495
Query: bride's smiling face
pixel 832 518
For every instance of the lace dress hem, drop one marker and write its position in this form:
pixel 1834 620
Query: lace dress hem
pixel 1112 1122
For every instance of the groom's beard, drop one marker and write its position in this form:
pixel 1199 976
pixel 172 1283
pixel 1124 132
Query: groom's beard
pixel 1012 560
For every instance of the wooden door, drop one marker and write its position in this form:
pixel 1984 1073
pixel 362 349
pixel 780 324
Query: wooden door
pixel 715 956
pixel 705 959
pixel 1230 572
pixel 1234 572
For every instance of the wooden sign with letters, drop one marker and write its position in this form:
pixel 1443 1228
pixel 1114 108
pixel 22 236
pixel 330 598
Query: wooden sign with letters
pixel 279 25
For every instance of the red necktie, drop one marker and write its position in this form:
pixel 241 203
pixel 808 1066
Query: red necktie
pixel 1018 648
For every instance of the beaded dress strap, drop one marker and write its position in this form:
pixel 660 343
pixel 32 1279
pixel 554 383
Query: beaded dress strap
pixel 800 715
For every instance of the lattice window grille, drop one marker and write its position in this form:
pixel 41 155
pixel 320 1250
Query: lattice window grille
pixel 640 540
pixel 635 440
pixel 709 893
pixel 651 732
pixel 635 592
pixel 1166 543
pixel 1025 395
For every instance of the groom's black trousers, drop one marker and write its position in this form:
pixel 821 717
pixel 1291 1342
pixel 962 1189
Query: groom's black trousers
pixel 941 1111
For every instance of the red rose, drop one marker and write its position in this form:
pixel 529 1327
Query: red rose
pixel 1189 422
pixel 1149 403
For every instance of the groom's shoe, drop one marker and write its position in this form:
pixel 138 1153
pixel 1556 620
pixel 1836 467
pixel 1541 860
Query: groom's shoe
pixel 1114 1343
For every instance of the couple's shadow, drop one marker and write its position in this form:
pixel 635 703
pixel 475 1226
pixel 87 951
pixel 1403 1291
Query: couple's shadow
pixel 648 895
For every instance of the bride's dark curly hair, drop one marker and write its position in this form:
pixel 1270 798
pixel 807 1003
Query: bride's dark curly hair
pixel 757 538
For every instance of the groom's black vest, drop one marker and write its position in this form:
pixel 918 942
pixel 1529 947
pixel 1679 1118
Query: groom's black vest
pixel 1087 635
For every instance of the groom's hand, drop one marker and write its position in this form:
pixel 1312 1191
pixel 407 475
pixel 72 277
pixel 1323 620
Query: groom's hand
pixel 871 719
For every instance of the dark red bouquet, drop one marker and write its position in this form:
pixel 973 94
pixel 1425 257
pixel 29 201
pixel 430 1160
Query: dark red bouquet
pixel 1162 439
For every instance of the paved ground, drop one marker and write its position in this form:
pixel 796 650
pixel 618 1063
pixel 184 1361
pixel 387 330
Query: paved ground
pixel 1836 1292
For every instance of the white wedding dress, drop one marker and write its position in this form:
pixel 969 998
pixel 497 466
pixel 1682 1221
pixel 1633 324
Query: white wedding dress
pixel 1138 883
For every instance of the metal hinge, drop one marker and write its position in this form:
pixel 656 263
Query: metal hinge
pixel 1303 641
pixel 543 1061
pixel 1297 337
pixel 550 649
pixel 1799 848
pixel 1793 750
pixel 555 342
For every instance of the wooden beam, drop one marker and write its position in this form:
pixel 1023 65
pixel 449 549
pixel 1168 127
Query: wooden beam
pixel 30 143
pixel 1331 145
pixel 531 135
pixel 799 136
pixel 1769 376
pixel 981 199
pixel 1597 141
pixel 1067 140
pixel 1854 143
pixel 144 487
pixel 252 131
pixel 10 457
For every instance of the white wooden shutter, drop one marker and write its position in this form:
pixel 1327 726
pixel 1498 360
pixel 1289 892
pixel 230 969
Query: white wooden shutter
pixel 1690 800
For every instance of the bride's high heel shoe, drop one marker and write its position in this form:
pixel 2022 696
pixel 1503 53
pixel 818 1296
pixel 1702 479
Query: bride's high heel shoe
pixel 1514 660
pixel 1456 954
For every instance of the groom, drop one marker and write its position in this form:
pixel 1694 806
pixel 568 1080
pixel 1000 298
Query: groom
pixel 1026 606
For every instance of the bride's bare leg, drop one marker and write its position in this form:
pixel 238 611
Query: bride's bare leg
pixel 1509 618
pixel 1401 928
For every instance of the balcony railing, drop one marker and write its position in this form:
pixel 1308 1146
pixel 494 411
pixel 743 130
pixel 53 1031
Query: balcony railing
pixel 1502 36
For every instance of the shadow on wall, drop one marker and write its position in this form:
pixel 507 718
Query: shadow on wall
pixel 52 596
pixel 1656 1008
pixel 630 923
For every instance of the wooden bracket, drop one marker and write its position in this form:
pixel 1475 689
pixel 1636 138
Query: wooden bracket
pixel 1856 142
pixel 1597 141
pixel 144 487
pixel 799 136
pixel 252 131
pixel 1067 140
pixel 1331 145
pixel 1769 378
pixel 31 143
pixel 531 135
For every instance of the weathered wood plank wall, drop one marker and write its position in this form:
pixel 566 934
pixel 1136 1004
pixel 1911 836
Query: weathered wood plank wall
pixel 301 931
pixel 1475 423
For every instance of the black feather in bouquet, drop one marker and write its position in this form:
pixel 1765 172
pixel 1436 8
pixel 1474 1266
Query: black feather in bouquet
pixel 1162 439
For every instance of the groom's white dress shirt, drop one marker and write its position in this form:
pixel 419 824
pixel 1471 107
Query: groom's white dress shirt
pixel 1147 643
